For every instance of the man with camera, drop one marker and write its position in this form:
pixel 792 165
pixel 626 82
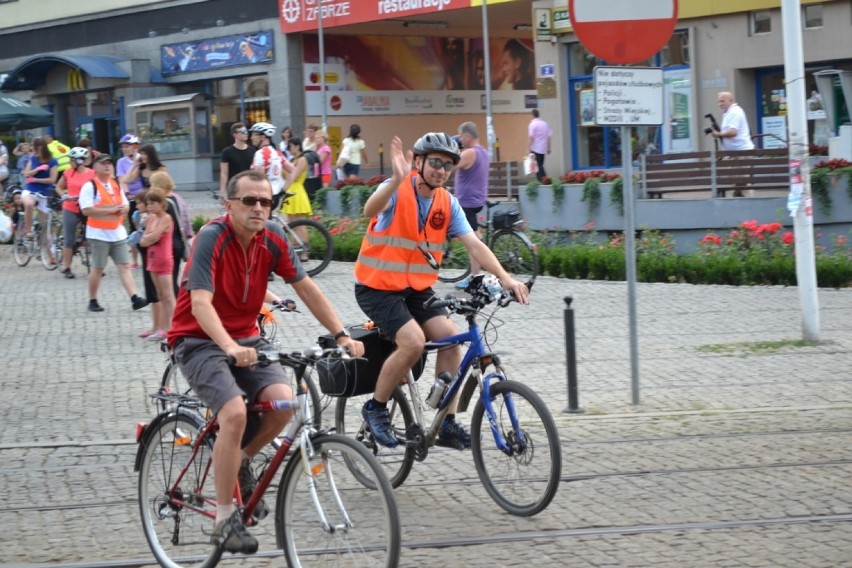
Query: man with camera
pixel 734 133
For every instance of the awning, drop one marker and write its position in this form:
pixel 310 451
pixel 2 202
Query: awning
pixel 166 100
pixel 20 115
pixel 32 73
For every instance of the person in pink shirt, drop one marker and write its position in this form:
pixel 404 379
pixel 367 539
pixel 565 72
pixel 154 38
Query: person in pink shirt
pixel 539 142
pixel 324 152
pixel 159 256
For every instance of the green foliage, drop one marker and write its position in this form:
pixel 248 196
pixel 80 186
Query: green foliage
pixel 592 195
pixel 321 198
pixel 198 221
pixel 616 195
pixel 558 195
pixel 532 189
pixel 820 189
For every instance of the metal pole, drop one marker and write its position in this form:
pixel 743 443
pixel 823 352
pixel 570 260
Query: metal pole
pixel 322 66
pixel 630 256
pixel 490 136
pixel 381 159
pixel 571 358
pixel 803 221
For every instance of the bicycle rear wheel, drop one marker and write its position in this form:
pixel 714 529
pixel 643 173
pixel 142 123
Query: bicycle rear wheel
pixel 178 519
pixel 455 265
pixel 317 251
pixel 337 520
pixel 516 254
pixel 524 479
pixel 396 462
pixel 23 248
pixel 83 249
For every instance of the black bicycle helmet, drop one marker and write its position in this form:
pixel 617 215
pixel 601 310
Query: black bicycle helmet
pixel 437 142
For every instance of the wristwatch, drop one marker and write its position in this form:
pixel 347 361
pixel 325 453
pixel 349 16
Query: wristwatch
pixel 342 333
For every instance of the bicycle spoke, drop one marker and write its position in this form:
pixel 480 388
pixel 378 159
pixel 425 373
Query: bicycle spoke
pixel 516 255
pixel 524 477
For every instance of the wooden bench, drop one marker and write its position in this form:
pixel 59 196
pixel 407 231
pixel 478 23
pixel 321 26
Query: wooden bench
pixel 717 172
pixel 503 180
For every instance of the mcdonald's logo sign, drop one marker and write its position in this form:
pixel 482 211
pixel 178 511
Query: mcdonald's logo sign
pixel 75 81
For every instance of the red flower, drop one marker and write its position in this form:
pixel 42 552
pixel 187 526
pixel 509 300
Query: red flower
pixel 772 227
pixel 787 238
pixel 710 239
pixel 841 240
pixel 749 225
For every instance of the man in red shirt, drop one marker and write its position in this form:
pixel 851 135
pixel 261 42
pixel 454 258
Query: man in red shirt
pixel 222 291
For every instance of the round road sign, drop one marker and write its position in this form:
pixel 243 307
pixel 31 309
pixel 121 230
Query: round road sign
pixel 623 31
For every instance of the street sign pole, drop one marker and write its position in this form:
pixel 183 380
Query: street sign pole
pixel 630 258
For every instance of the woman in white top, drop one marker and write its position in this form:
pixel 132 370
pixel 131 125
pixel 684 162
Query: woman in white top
pixel 354 147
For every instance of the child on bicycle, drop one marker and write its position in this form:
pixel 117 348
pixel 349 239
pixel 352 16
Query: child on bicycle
pixel 159 257
pixel 412 217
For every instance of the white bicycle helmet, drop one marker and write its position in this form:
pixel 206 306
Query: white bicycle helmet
pixel 264 128
pixel 78 154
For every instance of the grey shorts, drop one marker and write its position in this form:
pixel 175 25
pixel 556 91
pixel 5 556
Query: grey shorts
pixel 70 221
pixel 206 369
pixel 118 251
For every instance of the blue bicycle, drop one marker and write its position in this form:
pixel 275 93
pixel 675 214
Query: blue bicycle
pixel 522 470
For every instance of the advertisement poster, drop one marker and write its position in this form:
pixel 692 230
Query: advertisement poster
pixel 775 128
pixel 679 111
pixel 226 51
pixel 377 74
pixel 587 107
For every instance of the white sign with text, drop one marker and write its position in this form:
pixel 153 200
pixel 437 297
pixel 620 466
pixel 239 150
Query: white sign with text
pixel 629 96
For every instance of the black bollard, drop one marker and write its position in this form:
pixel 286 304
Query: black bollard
pixel 571 358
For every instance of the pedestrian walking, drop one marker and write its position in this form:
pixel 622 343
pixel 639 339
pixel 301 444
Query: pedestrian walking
pixel 354 148
pixel 539 142
pixel 471 187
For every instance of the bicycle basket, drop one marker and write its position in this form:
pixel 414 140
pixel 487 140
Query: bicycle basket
pixel 505 219
pixel 340 377
pixel 377 348
pixel 54 202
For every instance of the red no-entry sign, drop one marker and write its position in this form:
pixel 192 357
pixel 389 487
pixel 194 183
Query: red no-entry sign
pixel 623 31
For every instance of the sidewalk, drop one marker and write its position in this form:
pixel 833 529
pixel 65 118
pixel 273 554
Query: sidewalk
pixel 735 456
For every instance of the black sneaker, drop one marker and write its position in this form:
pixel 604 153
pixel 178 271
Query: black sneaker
pixel 247 484
pixel 379 423
pixel 94 306
pixel 232 535
pixel 138 302
pixel 454 435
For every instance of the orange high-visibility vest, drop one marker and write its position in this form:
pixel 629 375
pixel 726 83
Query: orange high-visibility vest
pixel 107 198
pixel 392 259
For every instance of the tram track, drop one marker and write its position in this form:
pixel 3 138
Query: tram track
pixel 517 537
pixel 475 481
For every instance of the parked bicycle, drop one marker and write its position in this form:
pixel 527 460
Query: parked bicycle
pixel 515 251
pixel 522 470
pixel 316 251
pixel 41 240
pixel 325 513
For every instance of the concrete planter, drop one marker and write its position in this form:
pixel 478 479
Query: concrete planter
pixel 686 219
pixel 334 205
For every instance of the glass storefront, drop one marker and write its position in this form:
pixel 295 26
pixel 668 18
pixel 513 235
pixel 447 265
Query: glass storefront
pixel 600 147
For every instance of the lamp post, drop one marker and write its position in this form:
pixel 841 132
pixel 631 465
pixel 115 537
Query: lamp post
pixel 321 39
pixel 490 136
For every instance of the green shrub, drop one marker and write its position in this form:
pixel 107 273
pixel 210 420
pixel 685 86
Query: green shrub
pixel 198 221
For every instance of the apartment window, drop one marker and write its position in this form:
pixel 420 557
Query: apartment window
pixel 761 22
pixel 812 16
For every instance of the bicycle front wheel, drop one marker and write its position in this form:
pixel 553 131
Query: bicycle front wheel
pixel 317 250
pixel 325 516
pixel 178 517
pixel 24 248
pixel 516 254
pixel 455 265
pixel 524 478
pixel 396 462
pixel 173 381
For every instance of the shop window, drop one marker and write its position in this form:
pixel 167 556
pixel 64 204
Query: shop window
pixel 676 51
pixel 812 16
pixel 761 22
pixel 581 60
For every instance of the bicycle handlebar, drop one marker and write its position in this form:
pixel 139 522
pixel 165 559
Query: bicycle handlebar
pixel 266 357
pixel 479 300
pixel 285 305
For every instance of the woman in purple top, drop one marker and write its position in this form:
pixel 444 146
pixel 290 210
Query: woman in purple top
pixel 471 186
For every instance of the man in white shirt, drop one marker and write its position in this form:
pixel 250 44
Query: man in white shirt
pixel 105 205
pixel 734 132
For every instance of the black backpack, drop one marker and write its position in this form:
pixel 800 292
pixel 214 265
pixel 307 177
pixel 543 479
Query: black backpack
pixel 313 164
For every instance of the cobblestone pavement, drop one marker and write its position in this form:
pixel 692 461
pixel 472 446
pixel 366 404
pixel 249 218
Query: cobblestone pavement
pixel 735 456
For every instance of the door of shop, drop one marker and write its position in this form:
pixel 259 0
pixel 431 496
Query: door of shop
pixel 96 129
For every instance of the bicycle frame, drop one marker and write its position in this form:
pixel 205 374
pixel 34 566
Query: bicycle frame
pixel 298 426
pixel 474 354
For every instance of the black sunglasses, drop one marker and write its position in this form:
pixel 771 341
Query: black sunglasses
pixel 438 163
pixel 251 201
